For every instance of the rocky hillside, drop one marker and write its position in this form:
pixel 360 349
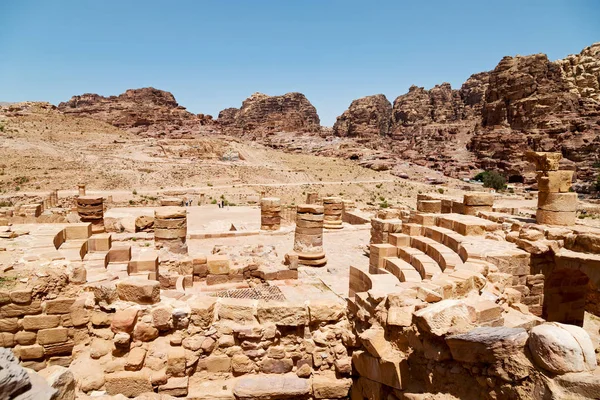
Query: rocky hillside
pixel 526 102
pixel 365 117
pixel 146 111
pixel 260 113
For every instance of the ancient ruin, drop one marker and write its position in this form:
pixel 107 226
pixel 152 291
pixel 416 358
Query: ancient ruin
pixel 457 298
pixel 443 245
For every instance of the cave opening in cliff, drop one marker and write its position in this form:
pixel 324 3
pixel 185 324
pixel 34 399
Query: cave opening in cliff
pixel 516 179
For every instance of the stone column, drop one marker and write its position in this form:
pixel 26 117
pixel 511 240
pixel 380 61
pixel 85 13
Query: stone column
pixel 333 207
pixel 312 198
pixel 270 213
pixel 170 228
pixel 81 187
pixel 91 209
pixel 476 202
pixel 308 239
pixel 556 205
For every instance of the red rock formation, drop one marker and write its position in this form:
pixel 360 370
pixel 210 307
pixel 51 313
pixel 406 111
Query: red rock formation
pixel 525 103
pixel 534 104
pixel 260 113
pixel 366 116
pixel 146 111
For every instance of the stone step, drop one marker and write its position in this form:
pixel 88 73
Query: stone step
pixel 467 225
pixel 426 265
pixel 402 270
pixel 210 389
pixel 440 253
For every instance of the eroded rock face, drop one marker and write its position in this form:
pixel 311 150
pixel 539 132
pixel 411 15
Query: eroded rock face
pixel 525 103
pixel 562 348
pixel 534 103
pixel 146 111
pixel 365 117
pixel 291 112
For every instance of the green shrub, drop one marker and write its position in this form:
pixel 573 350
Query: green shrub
pixel 491 179
pixel 384 204
pixel 440 190
pixel 134 192
pixel 214 201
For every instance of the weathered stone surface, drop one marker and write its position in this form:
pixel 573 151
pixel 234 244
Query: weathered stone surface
pixel 291 112
pixel 390 371
pixel 124 320
pixel 492 345
pixel 61 379
pixel 285 314
pixel 562 348
pixel 327 386
pixel 147 111
pixel 138 290
pixel 446 316
pixel 267 387
pixel 13 378
pixel 128 383
pixel 365 117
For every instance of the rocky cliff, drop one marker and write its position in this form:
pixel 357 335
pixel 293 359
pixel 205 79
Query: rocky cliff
pixel 365 117
pixel 525 103
pixel 147 111
pixel 260 113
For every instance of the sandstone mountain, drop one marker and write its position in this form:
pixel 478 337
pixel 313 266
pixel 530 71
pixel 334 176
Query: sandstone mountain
pixel 261 113
pixel 365 117
pixel 526 102
pixel 146 111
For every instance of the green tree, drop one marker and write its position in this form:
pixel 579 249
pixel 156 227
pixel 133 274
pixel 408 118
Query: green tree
pixel 491 179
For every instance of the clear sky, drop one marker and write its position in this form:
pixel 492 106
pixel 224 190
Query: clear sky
pixel 213 54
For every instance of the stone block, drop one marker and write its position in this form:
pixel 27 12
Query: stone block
pixel 78 231
pixel 170 213
pixel 544 161
pixel 59 306
pixel 287 386
pixel 176 361
pixel 282 313
pixel 488 345
pixel 119 254
pixel 36 322
pixel 555 181
pixel 429 206
pixel 562 218
pixel 124 320
pixel 9 325
pixel 202 311
pixel 478 199
pixel 390 371
pixel 100 242
pixel 557 201
pixel 218 363
pixel 128 383
pixel 218 264
pixel 135 359
pixel 327 386
pixel 33 352
pixel 176 387
pixel 52 335
pixel 139 290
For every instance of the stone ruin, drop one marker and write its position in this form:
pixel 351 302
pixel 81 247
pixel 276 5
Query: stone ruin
pixel 457 300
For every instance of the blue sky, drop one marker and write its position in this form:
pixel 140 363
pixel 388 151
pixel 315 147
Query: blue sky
pixel 213 54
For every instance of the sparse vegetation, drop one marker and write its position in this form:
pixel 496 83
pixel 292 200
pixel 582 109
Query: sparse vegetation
pixel 440 190
pixel 491 179
pixel 134 192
